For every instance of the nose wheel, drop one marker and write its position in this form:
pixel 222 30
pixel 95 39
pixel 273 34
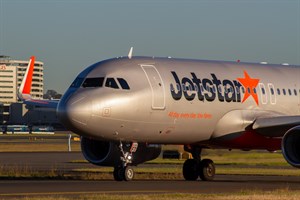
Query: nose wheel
pixel 125 172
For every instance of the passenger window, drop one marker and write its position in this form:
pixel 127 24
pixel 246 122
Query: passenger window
pixel 278 91
pixel 295 92
pixel 93 82
pixel 124 84
pixel 290 93
pixel 283 90
pixel 110 82
pixel 243 89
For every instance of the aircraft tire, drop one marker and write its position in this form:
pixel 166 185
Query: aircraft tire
pixel 207 170
pixel 118 174
pixel 190 170
pixel 128 173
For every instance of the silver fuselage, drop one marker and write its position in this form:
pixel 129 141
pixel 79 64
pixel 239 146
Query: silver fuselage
pixel 176 101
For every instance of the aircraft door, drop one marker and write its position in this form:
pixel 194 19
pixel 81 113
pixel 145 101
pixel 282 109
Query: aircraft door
pixel 272 93
pixel 263 93
pixel 156 85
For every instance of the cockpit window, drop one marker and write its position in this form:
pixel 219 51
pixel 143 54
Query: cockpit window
pixel 93 82
pixel 77 82
pixel 99 82
pixel 123 84
pixel 110 82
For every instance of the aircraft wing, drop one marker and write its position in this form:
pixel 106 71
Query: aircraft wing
pixel 265 123
pixel 275 126
pixel 25 88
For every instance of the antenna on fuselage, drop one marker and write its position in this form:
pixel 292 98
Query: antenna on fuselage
pixel 130 53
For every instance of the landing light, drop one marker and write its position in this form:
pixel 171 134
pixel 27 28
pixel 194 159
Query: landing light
pixel 129 157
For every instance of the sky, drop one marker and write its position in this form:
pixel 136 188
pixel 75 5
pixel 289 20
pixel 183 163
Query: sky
pixel 70 35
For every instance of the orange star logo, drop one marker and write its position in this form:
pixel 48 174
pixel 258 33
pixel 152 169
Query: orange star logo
pixel 249 84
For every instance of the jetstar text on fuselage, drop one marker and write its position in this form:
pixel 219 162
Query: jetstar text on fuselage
pixel 208 89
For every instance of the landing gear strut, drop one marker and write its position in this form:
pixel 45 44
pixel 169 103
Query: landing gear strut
pixel 194 168
pixel 124 172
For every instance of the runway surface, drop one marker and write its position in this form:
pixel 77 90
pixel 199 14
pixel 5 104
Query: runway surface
pixel 62 161
pixel 222 184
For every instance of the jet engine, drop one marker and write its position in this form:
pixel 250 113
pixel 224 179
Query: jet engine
pixel 291 146
pixel 104 153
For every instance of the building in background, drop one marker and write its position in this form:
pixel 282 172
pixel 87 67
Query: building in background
pixel 11 76
pixel 16 117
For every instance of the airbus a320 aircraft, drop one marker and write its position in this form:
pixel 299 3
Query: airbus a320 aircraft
pixel 125 108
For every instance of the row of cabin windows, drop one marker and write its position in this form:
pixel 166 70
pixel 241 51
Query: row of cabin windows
pixel 284 91
pixel 237 89
pixel 99 82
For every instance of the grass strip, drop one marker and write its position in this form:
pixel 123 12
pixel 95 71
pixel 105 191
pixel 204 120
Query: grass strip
pixel 282 194
pixel 222 157
pixel 176 172
pixel 161 173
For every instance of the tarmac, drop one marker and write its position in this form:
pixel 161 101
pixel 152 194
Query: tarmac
pixel 62 161
pixel 222 184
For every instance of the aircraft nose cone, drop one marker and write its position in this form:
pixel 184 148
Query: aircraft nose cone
pixel 74 112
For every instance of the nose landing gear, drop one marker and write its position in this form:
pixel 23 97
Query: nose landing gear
pixel 125 172
pixel 194 168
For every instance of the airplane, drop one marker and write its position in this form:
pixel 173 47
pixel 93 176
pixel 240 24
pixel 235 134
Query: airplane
pixel 125 108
